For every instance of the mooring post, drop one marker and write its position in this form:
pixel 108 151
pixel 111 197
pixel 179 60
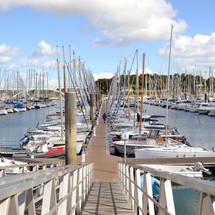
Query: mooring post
pixel 70 128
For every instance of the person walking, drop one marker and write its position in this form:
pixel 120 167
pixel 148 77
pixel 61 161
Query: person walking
pixel 138 117
pixel 104 117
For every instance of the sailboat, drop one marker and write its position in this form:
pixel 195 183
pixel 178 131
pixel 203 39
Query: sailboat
pixel 137 136
pixel 180 150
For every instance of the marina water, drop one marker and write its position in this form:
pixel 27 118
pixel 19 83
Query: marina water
pixel 198 129
pixel 13 126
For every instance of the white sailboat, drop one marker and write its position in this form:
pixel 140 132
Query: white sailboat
pixel 131 145
pixel 181 150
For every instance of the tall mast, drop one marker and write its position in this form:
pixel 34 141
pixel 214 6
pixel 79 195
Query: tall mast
pixel 70 66
pixel 64 71
pixel 137 86
pixel 142 90
pixel 17 86
pixel 60 94
pixel 167 95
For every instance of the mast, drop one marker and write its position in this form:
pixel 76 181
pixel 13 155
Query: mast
pixel 47 84
pixel 35 72
pixel 142 90
pixel 64 71
pixel 17 86
pixel 60 95
pixel 167 95
pixel 43 84
pixel 137 86
pixel 70 66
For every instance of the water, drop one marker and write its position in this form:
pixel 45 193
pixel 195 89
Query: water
pixel 13 126
pixel 187 201
pixel 199 131
pixel 197 128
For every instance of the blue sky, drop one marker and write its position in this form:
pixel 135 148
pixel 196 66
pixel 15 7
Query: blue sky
pixel 105 33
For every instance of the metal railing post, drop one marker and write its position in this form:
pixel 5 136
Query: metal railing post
pixel 139 193
pixel 132 186
pixel 127 180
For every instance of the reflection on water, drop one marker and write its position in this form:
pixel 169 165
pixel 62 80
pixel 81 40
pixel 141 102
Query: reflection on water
pixel 13 126
pixel 187 201
pixel 197 128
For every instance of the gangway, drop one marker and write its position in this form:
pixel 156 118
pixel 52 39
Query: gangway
pixel 72 189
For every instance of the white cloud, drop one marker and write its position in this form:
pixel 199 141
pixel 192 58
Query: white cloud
pixel 40 59
pixel 45 48
pixel 29 62
pixel 102 75
pixel 10 4
pixel 149 71
pixel 119 21
pixel 126 21
pixel 193 52
pixel 7 50
pixel 50 64
pixel 4 59
pixel 109 75
pixel 146 71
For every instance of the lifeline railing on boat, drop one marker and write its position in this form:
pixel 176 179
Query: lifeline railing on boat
pixel 142 200
pixel 60 190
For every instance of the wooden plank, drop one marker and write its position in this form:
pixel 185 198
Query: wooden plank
pixel 106 198
pixel 105 165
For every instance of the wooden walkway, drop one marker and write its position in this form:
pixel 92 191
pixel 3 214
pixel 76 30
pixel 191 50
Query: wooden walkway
pixel 106 197
pixel 105 165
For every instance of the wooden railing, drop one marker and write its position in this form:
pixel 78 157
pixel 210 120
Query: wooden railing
pixel 141 197
pixel 58 190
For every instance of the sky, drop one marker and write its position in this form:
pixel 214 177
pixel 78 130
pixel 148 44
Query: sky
pixel 106 34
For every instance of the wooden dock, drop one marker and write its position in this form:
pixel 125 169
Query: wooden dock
pixel 105 165
pixel 106 196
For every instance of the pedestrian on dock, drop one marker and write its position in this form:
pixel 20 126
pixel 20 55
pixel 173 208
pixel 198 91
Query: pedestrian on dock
pixel 138 117
pixel 104 117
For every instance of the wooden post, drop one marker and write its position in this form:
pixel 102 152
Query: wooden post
pixel 70 128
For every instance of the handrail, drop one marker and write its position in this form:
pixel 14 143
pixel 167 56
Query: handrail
pixel 59 190
pixel 142 200
pixel 24 168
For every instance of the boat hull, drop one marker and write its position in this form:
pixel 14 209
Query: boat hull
pixel 173 152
